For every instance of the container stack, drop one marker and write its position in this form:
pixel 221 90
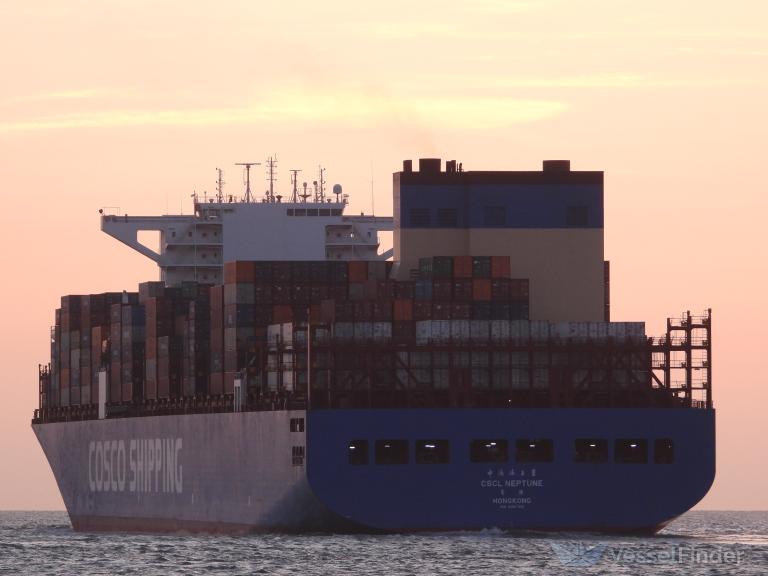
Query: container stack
pixel 76 348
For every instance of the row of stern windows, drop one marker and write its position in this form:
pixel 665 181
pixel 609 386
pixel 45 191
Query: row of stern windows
pixel 500 450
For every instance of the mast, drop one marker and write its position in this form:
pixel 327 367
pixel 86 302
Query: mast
pixel 248 196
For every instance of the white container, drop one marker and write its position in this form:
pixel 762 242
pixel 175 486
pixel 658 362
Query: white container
pixel 635 330
pixel 382 331
pixel 520 330
pixel 560 330
pixel 423 331
pixel 479 330
pixel 460 330
pixel 500 330
pixel 363 330
pixel 272 381
pixel 288 380
pixel 441 331
pixel 617 330
pixel 579 331
pixel 539 330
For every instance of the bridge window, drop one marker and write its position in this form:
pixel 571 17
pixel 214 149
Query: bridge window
pixel 324 212
pixel 495 216
pixel 300 212
pixel 663 451
pixel 491 450
pixel 420 217
pixel 357 452
pixel 534 450
pixel 297 453
pixel 289 211
pixel 591 450
pixel 391 452
pixel 336 212
pixel 577 216
pixel 447 218
pixel 631 451
pixel 432 452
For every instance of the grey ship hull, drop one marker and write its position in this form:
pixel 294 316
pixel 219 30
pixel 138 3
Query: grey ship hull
pixel 228 473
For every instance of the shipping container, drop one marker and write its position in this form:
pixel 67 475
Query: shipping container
pixel 500 267
pixel 240 272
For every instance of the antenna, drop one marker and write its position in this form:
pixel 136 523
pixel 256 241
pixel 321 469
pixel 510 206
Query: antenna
pixel 219 185
pixel 305 194
pixel 373 208
pixel 321 182
pixel 337 191
pixel 248 197
pixel 294 197
pixel 271 164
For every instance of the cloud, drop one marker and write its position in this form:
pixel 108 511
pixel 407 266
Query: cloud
pixel 301 108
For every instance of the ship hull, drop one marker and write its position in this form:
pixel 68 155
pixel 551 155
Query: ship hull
pixel 246 472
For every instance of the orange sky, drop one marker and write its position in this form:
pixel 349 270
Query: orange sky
pixel 134 104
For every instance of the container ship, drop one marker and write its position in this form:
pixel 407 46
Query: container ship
pixel 285 374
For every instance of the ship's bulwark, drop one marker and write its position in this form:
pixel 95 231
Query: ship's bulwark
pixel 242 472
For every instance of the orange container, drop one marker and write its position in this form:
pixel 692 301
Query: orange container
pixel 481 289
pixel 239 272
pixel 462 266
pixel 282 313
pixel 500 267
pixel 358 271
pixel 403 310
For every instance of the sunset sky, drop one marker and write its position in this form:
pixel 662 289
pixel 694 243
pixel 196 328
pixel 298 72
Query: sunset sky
pixel 133 104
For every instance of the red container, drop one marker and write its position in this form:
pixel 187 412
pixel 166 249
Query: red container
pixel 403 310
pixel 217 383
pixel 500 289
pixel 371 290
pixel 442 290
pixel 115 380
pixel 315 315
pixel 422 310
pixel 461 311
pixel 481 289
pixel 328 311
pixel 462 266
pixel 462 290
pixel 500 267
pixel 229 382
pixel 386 290
pixel 519 289
pixel 382 311
pixel 404 290
pixel 363 311
pixel 358 271
pixel 239 272
pixel 282 313
pixel 441 311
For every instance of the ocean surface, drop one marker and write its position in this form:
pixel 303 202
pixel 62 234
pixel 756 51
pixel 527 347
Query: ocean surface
pixel 697 543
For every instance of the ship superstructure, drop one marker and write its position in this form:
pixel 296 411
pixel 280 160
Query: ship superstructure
pixel 309 225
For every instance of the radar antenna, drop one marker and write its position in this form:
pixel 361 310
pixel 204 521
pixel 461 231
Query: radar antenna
pixel 248 196
pixel 294 184
pixel 337 191
pixel 220 185
pixel 304 195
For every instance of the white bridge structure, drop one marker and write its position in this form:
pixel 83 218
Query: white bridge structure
pixel 195 247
